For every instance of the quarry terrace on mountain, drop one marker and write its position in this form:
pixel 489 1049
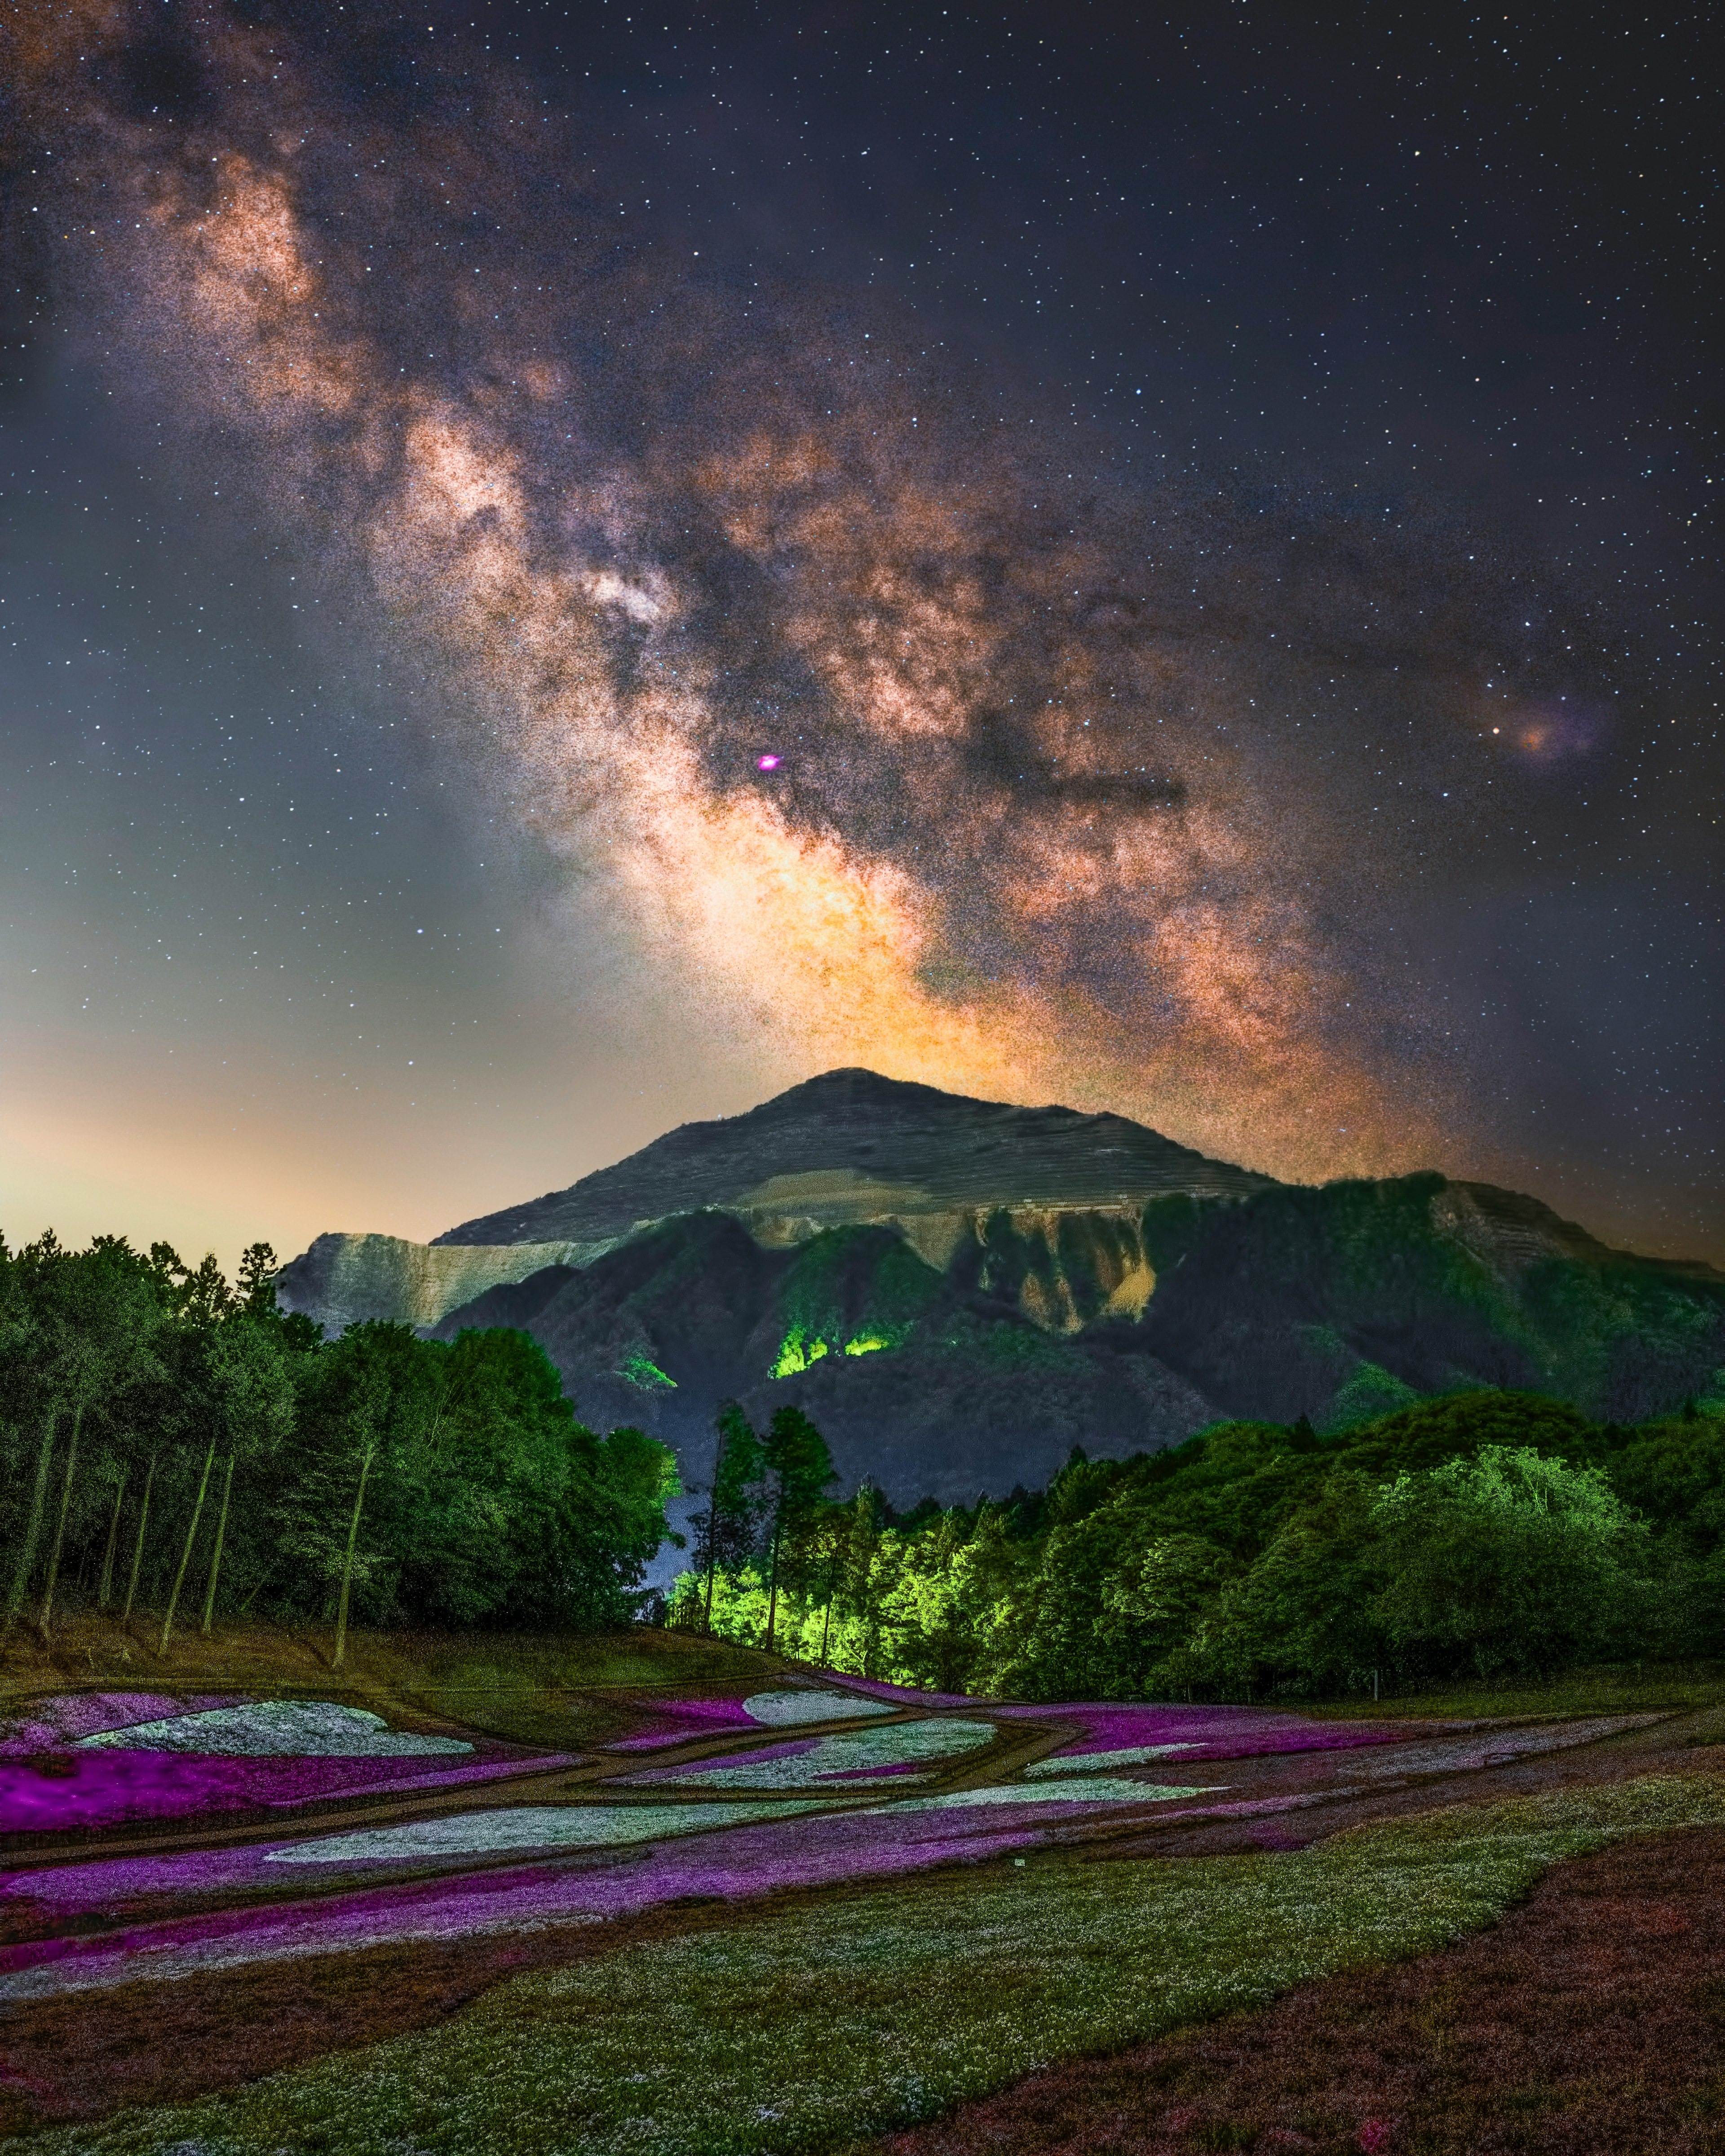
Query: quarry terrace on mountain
pixel 958 1292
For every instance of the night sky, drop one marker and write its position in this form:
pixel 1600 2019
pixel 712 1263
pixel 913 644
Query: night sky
pixel 561 571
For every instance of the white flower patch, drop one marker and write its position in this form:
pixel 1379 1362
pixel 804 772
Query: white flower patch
pixel 783 1709
pixel 275 1728
pixel 1080 1789
pixel 867 1749
pixel 528 1826
pixel 1086 1763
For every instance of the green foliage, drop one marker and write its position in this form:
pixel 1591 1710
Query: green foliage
pixel 164 1436
pixel 851 2017
pixel 1371 1392
pixel 1476 1535
pixel 640 1370
pixel 850 1291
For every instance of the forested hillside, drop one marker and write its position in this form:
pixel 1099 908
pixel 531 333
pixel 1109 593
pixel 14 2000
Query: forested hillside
pixel 173 1445
pixel 1484 1533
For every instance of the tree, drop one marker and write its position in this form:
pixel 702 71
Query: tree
pixel 501 1505
pixel 443 1483
pixel 201 1301
pixel 1510 1561
pixel 373 1389
pixel 724 1533
pixel 137 1548
pixel 799 1470
pixel 249 1378
pixel 30 1396
pixel 1153 1597
pixel 82 1331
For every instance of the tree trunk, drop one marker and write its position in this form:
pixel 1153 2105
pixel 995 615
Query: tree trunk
pixel 39 1499
pixel 60 1530
pixel 137 1548
pixel 105 1593
pixel 359 1498
pixel 712 1559
pixel 173 1599
pixel 826 1620
pixel 713 1530
pixel 772 1578
pixel 215 1563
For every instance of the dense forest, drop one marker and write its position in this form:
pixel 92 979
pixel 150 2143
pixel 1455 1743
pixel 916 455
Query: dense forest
pixel 1482 1533
pixel 174 1450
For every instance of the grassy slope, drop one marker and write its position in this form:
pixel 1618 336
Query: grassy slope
pixel 1625 1689
pixel 530 1688
pixel 1586 2021
pixel 876 2009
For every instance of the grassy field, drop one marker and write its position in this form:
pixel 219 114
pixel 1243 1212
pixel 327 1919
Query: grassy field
pixel 1585 2022
pixel 529 1688
pixel 805 2019
pixel 1625 1688
pixel 869 2009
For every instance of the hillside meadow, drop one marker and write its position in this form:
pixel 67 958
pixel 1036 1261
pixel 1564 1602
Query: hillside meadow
pixel 712 1901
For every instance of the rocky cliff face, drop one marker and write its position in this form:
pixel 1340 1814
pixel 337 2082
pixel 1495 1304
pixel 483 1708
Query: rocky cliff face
pixel 346 1280
pixel 958 1292
pixel 931 1381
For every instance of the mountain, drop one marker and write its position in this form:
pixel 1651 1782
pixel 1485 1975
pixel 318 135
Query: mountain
pixel 930 1381
pixel 850 1146
pixel 344 1280
pixel 958 1292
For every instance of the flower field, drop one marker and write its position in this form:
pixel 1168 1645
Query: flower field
pixel 743 1945
pixel 78 1765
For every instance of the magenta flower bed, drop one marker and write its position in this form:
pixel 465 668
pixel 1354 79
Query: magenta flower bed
pixel 171 1914
pixel 70 1791
pixel 755 1755
pixel 731 1864
pixel 683 1718
pixel 677 1720
pixel 139 1893
pixel 53 1724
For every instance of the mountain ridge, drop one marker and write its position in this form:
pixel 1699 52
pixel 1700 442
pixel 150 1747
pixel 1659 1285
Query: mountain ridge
pixel 947 1154
pixel 958 1292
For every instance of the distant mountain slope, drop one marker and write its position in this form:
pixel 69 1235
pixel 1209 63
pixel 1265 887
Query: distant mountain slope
pixel 1300 1301
pixel 345 1280
pixel 929 1382
pixel 1335 1303
pixel 959 1291
pixel 850 1146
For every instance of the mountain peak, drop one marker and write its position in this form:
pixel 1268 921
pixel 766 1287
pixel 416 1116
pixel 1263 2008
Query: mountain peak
pixel 931 1151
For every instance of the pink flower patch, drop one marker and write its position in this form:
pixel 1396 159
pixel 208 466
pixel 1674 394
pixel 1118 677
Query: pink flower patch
pixel 50 1725
pixel 676 1721
pixel 70 1792
pixel 1204 1733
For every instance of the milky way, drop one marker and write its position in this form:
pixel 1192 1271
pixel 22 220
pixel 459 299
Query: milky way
pixel 896 722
